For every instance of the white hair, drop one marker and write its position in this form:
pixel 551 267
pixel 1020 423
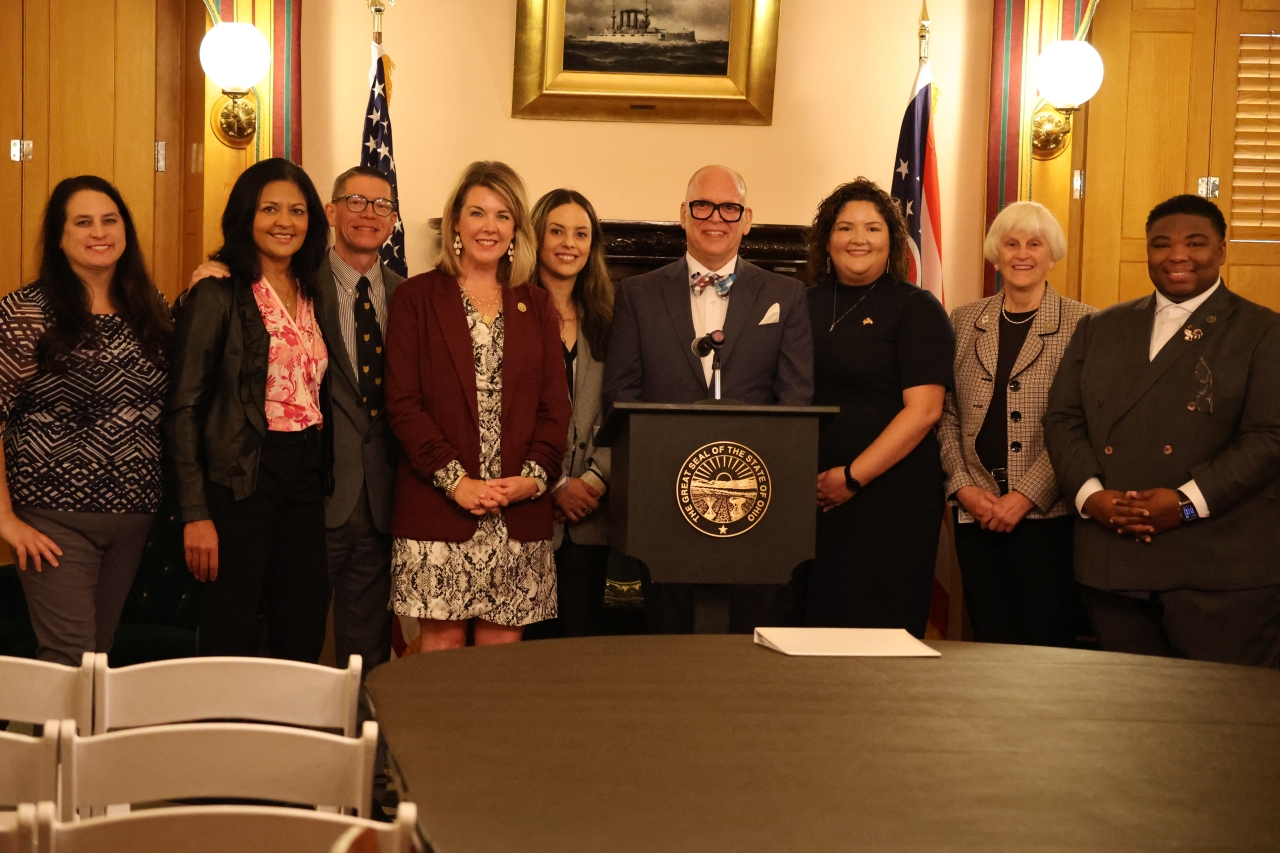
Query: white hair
pixel 1029 217
pixel 705 170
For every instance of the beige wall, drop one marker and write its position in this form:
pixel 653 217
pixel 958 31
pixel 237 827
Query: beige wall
pixel 845 69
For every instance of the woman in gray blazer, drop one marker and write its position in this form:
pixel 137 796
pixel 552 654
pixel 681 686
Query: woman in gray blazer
pixel 571 268
pixel 1013 527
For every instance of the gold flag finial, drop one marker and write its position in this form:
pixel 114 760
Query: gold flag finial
pixel 378 7
pixel 924 29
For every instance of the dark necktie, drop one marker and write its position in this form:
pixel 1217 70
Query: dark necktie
pixel 368 350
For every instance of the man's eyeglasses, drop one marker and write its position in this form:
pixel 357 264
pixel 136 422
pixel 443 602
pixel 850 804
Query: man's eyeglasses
pixel 357 204
pixel 730 211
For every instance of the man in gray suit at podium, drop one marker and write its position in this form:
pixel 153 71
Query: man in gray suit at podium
pixel 766 357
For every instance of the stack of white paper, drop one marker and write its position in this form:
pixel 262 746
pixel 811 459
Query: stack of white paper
pixel 845 642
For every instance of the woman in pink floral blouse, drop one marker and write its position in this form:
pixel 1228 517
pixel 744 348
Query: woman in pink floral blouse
pixel 245 422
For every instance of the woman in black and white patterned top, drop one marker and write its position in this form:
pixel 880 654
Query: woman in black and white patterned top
pixel 83 373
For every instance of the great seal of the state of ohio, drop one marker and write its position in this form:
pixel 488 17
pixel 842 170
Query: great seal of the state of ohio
pixel 723 489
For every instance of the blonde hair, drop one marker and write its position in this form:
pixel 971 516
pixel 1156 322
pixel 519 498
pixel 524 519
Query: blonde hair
pixel 503 180
pixel 1029 217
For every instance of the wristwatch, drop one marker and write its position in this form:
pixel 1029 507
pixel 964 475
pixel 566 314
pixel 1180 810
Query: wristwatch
pixel 1186 508
pixel 849 482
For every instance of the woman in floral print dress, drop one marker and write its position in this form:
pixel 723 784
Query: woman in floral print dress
pixel 476 394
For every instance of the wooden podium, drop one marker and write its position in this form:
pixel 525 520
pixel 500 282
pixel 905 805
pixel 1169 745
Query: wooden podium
pixel 714 494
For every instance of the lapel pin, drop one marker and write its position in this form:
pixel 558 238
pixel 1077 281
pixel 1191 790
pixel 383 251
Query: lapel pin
pixel 1191 334
pixel 867 321
pixel 520 305
pixel 1212 318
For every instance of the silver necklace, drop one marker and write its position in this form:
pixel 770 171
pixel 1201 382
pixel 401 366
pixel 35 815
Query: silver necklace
pixel 1005 313
pixel 835 292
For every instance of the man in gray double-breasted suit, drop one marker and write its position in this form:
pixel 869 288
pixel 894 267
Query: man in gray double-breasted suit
pixel 767 353
pixel 1163 424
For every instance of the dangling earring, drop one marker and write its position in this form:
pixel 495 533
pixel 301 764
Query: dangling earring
pixel 457 244
pixel 511 252
pixel 828 265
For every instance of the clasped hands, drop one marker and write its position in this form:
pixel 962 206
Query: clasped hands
pixel 997 513
pixel 1141 515
pixel 481 497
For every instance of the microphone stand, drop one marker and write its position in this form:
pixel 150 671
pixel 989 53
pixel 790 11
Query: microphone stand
pixel 715 374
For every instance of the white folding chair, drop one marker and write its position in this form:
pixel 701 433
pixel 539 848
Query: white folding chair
pixel 226 688
pixel 34 691
pixel 217 829
pixel 219 760
pixel 19 834
pixel 29 766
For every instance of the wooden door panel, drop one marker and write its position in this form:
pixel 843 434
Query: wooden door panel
pixel 1155 154
pixel 1246 145
pixel 10 128
pixel 35 126
pixel 1144 143
pixel 82 89
pixel 135 114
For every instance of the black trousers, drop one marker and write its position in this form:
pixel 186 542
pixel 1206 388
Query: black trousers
pixel 581 571
pixel 271 556
pixel 1226 626
pixel 1018 586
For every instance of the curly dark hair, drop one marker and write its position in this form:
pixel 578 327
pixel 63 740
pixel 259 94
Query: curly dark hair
pixel 134 295
pixel 593 291
pixel 824 221
pixel 239 251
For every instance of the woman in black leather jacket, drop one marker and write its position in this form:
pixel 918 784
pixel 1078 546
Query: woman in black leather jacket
pixel 245 422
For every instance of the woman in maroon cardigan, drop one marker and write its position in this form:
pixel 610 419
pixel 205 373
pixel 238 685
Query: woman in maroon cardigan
pixel 477 397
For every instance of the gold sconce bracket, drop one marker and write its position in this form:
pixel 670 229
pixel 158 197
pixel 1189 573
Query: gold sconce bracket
pixel 1050 130
pixel 234 119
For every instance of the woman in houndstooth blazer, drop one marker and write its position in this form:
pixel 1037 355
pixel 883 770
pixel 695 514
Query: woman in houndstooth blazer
pixel 1013 528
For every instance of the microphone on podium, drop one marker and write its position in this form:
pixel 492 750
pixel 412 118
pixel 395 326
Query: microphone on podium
pixel 708 343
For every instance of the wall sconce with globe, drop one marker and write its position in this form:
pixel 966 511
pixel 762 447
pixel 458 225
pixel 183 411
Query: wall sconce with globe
pixel 235 56
pixel 1068 73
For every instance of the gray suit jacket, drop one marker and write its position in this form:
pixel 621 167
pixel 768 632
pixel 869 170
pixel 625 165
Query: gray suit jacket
pixel 588 413
pixel 1207 408
pixel 650 359
pixel 364 451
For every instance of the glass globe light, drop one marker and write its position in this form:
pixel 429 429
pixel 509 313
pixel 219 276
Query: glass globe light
pixel 235 56
pixel 1068 73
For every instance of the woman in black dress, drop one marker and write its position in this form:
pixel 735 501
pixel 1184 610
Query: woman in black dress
pixel 882 353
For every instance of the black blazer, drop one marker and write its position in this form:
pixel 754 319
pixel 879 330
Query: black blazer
pixel 215 418
pixel 1207 408
pixel 650 359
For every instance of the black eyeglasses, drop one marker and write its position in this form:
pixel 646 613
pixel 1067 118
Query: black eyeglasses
pixel 357 204
pixel 730 211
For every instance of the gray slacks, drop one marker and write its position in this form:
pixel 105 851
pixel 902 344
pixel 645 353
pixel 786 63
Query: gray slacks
pixel 75 606
pixel 360 574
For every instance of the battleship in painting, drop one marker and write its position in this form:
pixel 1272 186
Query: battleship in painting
pixel 629 42
pixel 632 26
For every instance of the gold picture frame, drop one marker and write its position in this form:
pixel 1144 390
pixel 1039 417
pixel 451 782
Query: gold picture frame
pixel 544 90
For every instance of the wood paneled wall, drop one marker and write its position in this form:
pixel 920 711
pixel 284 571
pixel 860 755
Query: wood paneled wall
pixel 99 84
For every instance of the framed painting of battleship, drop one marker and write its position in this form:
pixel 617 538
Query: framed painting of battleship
pixel 696 61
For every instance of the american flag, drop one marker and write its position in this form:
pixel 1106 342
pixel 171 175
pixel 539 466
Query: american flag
pixel 915 184
pixel 376 151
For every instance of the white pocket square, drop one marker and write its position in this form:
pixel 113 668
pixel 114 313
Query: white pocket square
pixel 771 316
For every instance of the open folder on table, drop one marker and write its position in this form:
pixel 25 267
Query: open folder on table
pixel 845 642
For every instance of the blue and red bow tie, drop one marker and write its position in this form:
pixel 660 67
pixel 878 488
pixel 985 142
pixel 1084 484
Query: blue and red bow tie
pixel 721 283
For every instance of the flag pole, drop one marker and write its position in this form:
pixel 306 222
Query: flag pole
pixel 378 7
pixel 924 29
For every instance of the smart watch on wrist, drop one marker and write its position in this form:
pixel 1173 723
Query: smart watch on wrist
pixel 1186 508
pixel 849 482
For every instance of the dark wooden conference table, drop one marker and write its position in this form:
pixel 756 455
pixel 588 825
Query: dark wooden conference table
pixel 711 743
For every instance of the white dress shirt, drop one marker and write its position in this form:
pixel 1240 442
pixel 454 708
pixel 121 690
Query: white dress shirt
pixel 1170 317
pixel 709 308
